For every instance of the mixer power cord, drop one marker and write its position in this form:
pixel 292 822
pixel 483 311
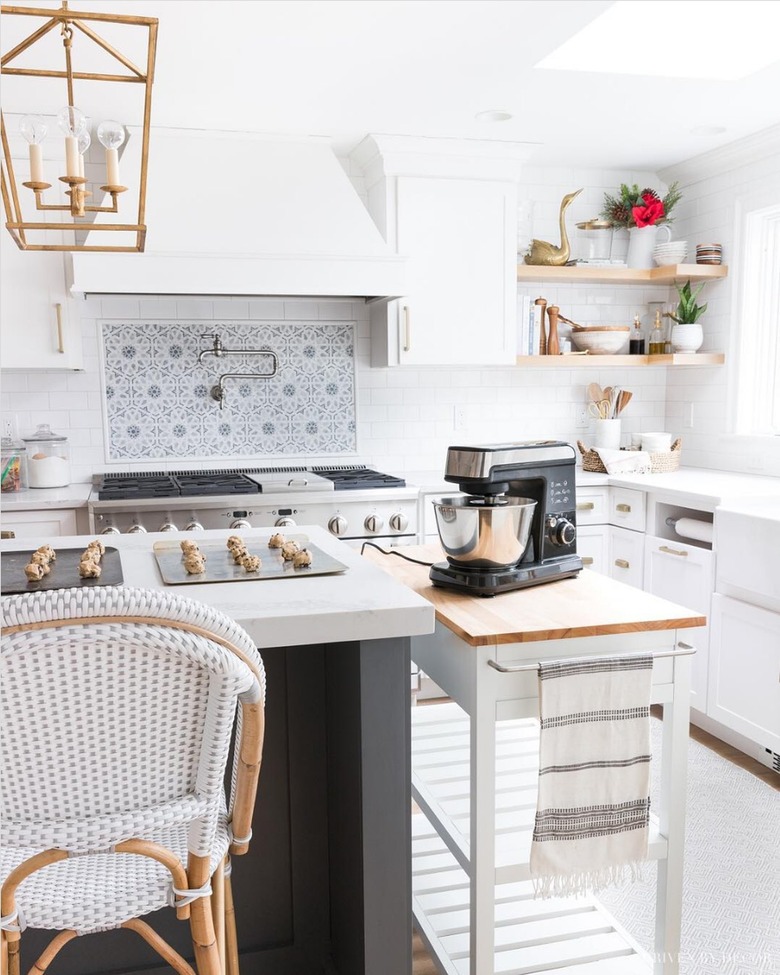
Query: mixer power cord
pixel 394 551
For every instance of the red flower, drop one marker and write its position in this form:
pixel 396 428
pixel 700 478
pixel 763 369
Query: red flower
pixel 648 215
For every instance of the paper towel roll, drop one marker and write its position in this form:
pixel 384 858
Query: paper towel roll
pixel 693 528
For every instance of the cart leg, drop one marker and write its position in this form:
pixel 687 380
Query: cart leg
pixel 672 822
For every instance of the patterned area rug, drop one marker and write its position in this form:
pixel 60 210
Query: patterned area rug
pixel 731 899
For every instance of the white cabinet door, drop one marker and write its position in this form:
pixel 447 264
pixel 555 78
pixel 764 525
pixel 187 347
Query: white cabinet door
pixel 744 679
pixel 39 325
pixel 460 307
pixel 40 524
pixel 684 574
pixel 593 547
pixel 627 508
pixel 626 556
pixel 592 506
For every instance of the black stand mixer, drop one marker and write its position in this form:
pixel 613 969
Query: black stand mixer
pixel 516 525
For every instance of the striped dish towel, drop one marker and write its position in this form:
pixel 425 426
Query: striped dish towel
pixel 593 803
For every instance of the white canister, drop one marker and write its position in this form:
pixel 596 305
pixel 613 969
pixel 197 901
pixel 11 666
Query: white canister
pixel 656 443
pixel 606 433
pixel 48 458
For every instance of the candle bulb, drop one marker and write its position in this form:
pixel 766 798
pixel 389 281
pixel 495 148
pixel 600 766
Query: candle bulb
pixel 84 142
pixel 72 123
pixel 111 135
pixel 34 131
pixel 71 156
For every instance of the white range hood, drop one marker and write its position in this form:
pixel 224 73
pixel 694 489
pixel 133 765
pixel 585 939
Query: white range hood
pixel 235 214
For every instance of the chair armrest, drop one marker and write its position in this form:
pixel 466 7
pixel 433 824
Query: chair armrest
pixel 248 775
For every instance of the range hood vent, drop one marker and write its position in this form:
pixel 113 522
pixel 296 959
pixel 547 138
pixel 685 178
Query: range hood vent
pixel 239 214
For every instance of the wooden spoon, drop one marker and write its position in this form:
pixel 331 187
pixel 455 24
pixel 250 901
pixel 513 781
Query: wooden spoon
pixel 624 400
pixel 595 392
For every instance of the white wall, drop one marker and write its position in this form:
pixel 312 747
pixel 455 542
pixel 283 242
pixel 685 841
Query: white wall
pixel 406 415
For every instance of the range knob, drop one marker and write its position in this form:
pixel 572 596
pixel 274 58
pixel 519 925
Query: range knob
pixel 168 526
pixel 399 522
pixel 284 522
pixel 240 523
pixel 136 530
pixel 193 526
pixel 374 524
pixel 562 532
pixel 111 530
pixel 338 525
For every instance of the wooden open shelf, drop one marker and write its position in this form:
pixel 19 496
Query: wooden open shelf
pixel 602 361
pixel 669 274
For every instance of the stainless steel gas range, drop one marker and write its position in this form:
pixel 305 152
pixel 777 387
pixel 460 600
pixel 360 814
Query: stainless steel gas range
pixel 351 501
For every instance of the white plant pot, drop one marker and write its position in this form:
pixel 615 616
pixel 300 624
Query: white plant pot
pixel 687 338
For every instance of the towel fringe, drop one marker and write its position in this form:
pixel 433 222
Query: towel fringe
pixel 587 881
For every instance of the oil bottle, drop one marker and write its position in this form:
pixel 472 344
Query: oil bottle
pixel 657 336
pixel 636 345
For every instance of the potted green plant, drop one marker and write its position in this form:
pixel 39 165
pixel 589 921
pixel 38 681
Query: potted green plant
pixel 687 334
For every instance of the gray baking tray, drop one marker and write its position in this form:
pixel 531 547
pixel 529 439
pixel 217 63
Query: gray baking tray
pixel 220 566
pixel 64 572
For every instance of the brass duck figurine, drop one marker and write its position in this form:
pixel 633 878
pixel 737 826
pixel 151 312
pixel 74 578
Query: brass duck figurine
pixel 542 252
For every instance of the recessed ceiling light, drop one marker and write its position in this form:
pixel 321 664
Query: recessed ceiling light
pixel 708 130
pixel 493 115
pixel 722 41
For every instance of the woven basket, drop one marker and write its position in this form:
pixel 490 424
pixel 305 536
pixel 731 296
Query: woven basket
pixel 660 463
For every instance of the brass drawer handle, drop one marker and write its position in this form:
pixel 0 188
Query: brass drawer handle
pixel 407 329
pixel 585 506
pixel 587 560
pixel 7 534
pixel 623 507
pixel 622 564
pixel 673 551
pixel 60 339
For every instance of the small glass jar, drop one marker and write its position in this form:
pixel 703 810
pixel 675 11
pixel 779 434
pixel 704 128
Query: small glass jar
pixel 14 466
pixel 48 458
pixel 595 241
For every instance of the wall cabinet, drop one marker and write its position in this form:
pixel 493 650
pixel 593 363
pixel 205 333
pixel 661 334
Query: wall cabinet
pixel 450 207
pixel 39 323
pixel 684 574
pixel 744 687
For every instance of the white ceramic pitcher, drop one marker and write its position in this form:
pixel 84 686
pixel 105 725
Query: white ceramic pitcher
pixel 641 241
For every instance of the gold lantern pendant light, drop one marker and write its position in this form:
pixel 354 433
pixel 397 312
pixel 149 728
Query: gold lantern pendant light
pixel 73 125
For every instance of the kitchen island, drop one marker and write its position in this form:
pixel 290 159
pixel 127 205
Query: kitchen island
pixel 475 765
pixel 326 884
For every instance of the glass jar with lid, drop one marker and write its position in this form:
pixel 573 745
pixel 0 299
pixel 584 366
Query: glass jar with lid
pixel 594 242
pixel 48 458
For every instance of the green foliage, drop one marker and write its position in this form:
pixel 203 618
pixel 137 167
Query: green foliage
pixel 688 312
pixel 617 207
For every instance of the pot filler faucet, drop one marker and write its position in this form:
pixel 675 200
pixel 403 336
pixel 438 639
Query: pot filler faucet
pixel 218 350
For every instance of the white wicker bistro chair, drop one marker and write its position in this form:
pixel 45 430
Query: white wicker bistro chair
pixel 118 710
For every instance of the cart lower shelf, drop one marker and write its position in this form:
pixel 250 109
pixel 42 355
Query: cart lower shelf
pixel 573 935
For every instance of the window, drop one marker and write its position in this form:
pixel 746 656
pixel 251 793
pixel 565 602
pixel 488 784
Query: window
pixel 758 368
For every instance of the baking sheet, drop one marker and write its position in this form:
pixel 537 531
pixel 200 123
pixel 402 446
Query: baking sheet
pixel 220 566
pixel 64 572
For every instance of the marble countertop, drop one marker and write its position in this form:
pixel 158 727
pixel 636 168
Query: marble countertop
pixel 363 603
pixel 39 499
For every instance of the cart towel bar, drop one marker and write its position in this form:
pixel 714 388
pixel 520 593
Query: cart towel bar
pixel 684 649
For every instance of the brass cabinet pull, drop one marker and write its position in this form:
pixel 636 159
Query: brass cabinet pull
pixel 587 560
pixel 585 506
pixel 622 564
pixel 7 534
pixel 673 551
pixel 60 339
pixel 407 329
pixel 623 507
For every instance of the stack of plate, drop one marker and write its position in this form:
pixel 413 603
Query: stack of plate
pixel 709 253
pixel 672 252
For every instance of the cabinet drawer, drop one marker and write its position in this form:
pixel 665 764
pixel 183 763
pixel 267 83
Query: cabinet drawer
pixel 626 556
pixel 592 506
pixel 627 508
pixel 40 524
pixel 592 547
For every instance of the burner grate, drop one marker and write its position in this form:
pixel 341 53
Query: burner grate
pixel 200 485
pixel 140 486
pixel 359 478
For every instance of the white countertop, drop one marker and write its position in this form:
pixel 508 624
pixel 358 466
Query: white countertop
pixel 39 499
pixel 363 603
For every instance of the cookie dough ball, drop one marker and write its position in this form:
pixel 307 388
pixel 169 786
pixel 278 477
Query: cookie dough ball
pixel 96 543
pixel 35 571
pixel 188 546
pixel 251 562
pixel 89 570
pixel 238 552
pixel 194 563
pixel 276 541
pixel 90 555
pixel 235 541
pixel 302 559
pixel 39 558
pixel 48 552
pixel 289 550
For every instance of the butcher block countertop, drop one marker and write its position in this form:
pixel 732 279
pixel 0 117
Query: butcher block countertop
pixel 587 605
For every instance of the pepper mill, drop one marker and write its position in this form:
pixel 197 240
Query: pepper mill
pixel 553 346
pixel 542 303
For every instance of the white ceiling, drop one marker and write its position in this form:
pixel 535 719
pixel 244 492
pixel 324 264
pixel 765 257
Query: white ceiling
pixel 344 68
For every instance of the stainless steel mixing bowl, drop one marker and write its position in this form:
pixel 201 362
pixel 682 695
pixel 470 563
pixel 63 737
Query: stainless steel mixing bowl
pixel 480 533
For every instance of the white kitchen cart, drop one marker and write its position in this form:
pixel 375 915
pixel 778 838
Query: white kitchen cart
pixel 474 774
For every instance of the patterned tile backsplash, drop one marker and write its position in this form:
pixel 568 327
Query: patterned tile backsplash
pixel 159 404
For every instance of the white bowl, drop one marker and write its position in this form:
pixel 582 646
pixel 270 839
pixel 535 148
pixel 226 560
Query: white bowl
pixel 656 443
pixel 600 341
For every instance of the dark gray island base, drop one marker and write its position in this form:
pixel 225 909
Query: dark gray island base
pixel 326 885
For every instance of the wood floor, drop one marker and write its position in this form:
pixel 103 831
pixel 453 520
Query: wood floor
pixel 422 963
